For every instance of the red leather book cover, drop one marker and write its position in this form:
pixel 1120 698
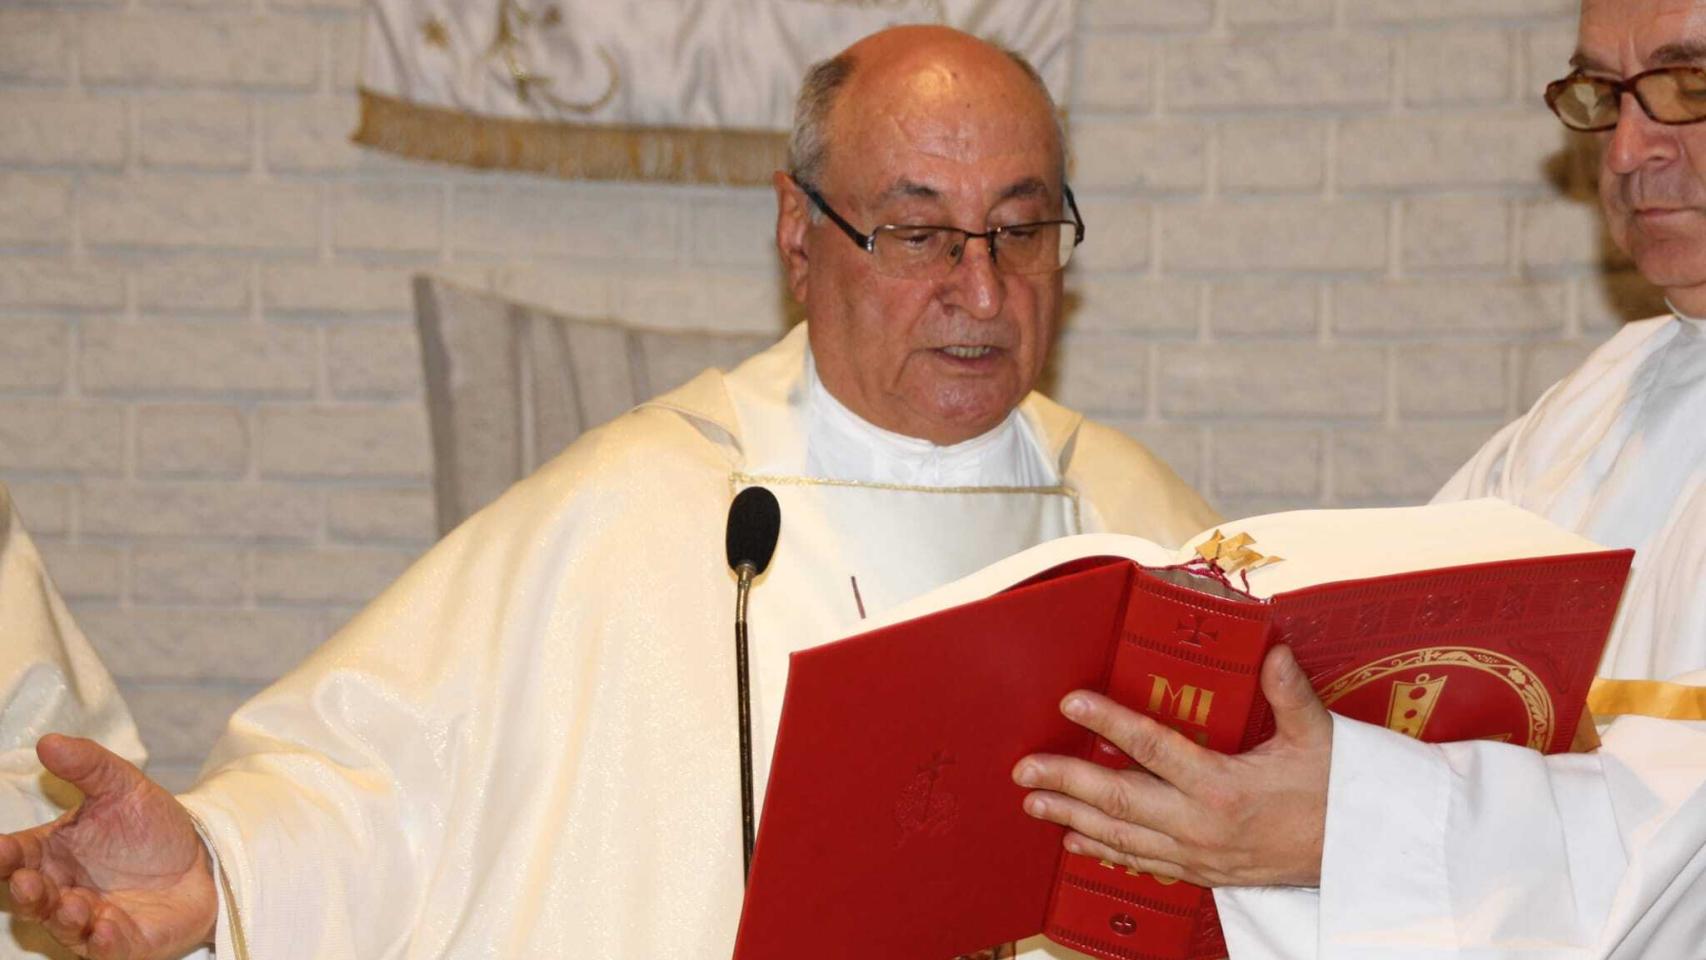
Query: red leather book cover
pixel 891 826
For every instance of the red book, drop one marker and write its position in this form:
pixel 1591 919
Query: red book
pixel 891 827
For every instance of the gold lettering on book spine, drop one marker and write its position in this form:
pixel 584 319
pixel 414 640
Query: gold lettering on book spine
pixel 1185 703
pixel 1134 872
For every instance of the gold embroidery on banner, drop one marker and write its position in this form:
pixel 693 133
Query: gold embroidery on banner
pixel 1646 698
pixel 574 151
pixel 435 33
pixel 513 19
pixel 1530 692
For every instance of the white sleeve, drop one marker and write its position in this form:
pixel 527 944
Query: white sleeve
pixel 1486 850
pixel 50 682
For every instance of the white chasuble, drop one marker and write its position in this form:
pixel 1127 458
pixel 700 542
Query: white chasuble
pixel 528 745
pixel 1485 850
pixel 50 682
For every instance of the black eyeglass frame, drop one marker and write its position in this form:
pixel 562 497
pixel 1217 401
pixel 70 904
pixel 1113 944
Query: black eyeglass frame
pixel 1631 85
pixel 868 241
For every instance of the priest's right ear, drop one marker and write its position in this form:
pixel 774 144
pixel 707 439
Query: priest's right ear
pixel 793 217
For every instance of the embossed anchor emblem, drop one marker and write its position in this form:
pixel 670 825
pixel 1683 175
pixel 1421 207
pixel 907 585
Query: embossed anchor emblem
pixel 924 806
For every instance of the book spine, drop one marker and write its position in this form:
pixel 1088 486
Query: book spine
pixel 1190 661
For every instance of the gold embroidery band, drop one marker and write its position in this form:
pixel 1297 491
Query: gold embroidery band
pixel 1646 698
pixel 738 480
pixel 791 481
pixel 573 151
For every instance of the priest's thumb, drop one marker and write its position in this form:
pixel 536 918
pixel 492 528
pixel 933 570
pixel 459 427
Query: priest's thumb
pixel 1298 713
pixel 87 765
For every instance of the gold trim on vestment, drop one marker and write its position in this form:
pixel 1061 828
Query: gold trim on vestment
pixel 233 916
pixel 575 151
pixel 1646 698
pixel 737 478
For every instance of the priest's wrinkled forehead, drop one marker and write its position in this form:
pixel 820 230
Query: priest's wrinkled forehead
pixel 945 95
pixel 1628 36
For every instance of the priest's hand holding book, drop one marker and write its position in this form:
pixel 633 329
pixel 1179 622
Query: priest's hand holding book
pixel 124 875
pixel 1186 812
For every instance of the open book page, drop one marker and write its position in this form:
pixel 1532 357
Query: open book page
pixel 1023 565
pixel 1317 546
pixel 1327 546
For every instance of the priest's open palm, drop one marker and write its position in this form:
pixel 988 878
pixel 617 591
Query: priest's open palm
pixel 124 876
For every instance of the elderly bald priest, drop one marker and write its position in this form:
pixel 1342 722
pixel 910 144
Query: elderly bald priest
pixel 527 746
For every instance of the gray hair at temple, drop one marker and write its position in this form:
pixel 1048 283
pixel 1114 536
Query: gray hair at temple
pixel 808 145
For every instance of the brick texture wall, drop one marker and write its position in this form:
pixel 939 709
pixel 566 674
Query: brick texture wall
pixel 1334 244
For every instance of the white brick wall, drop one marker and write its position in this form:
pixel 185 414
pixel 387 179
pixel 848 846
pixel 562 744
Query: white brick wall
pixel 1333 244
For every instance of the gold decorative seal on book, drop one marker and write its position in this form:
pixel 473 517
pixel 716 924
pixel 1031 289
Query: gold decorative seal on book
pixel 1414 691
pixel 1233 554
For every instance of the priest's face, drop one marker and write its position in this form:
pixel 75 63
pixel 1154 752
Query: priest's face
pixel 1652 181
pixel 933 128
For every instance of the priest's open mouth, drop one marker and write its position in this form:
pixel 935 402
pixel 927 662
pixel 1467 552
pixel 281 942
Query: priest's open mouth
pixel 967 352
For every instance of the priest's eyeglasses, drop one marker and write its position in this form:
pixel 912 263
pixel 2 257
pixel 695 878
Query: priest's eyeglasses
pixel 928 252
pixel 1669 95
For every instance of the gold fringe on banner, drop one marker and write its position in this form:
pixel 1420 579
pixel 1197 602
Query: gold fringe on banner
pixel 1646 698
pixel 570 151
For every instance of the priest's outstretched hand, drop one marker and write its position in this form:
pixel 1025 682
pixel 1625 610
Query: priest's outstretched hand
pixel 1187 812
pixel 124 876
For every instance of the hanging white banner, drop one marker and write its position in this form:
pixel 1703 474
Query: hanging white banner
pixel 678 90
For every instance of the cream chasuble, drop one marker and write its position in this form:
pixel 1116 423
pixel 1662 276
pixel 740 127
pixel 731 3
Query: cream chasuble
pixel 1487 850
pixel 50 681
pixel 527 746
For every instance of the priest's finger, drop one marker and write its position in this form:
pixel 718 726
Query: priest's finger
pixel 115 936
pixel 20 851
pixel 71 919
pixel 1130 795
pixel 1150 744
pixel 1130 838
pixel 11 855
pixel 1165 871
pixel 1298 712
pixel 34 895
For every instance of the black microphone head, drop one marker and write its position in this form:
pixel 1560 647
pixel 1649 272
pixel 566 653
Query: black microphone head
pixel 755 520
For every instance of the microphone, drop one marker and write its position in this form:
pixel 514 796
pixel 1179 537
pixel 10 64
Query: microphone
pixel 755 521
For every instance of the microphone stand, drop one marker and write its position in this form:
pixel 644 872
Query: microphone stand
pixel 744 573
pixel 749 541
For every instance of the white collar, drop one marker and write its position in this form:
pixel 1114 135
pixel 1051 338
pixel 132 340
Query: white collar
pixel 842 445
pixel 1697 323
pixel 789 424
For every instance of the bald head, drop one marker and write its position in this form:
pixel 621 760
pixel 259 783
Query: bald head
pixel 916 69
